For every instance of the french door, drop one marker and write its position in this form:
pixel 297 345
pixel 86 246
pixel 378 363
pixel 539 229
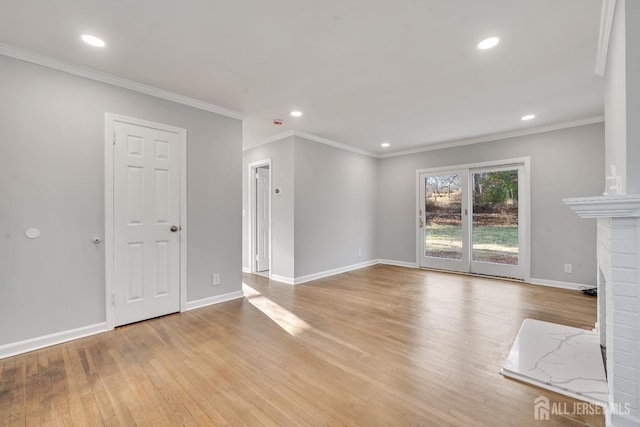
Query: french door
pixel 472 219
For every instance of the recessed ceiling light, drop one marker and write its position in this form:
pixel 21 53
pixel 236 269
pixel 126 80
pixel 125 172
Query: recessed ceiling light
pixel 385 144
pixel 296 113
pixel 93 40
pixel 488 43
pixel 528 117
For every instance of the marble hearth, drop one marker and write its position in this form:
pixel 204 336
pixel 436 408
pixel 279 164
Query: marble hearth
pixel 559 358
pixel 568 360
pixel 618 297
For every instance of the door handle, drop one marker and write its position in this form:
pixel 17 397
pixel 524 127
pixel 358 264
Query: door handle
pixel 174 228
pixel 421 222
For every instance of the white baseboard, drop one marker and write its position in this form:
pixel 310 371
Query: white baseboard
pixel 283 279
pixel 397 263
pixel 192 305
pixel 32 344
pixel 332 272
pixel 246 270
pixel 562 285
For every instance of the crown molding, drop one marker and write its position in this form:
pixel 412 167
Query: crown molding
pixel 314 138
pixel 335 144
pixel 440 146
pixel 90 73
pixel 606 24
pixel 496 137
pixel 274 138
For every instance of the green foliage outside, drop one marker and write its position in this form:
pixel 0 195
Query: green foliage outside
pixel 495 187
pixel 495 216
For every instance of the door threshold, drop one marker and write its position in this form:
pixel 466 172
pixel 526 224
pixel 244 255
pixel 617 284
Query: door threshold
pixel 464 273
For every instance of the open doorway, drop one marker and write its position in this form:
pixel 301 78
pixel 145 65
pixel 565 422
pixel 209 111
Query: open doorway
pixel 260 209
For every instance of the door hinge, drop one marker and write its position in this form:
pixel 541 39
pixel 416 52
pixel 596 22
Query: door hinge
pixel 113 300
pixel 257 175
pixel 114 137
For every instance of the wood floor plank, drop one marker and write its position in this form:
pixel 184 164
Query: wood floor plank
pixel 378 346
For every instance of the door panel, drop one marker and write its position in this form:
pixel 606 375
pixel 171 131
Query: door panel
pixel 262 226
pixel 443 227
pixel 496 237
pixel 146 205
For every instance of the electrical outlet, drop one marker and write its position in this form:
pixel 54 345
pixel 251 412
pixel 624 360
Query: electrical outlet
pixel 215 279
pixel 568 268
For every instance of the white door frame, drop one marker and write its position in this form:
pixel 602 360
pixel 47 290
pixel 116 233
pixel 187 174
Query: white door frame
pixel 110 120
pixel 251 170
pixel 524 211
pixel 447 264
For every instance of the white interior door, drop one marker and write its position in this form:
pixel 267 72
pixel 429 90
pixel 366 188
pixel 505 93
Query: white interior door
pixel 262 218
pixel 146 212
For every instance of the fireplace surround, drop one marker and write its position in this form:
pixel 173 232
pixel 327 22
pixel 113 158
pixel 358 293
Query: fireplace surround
pixel 618 258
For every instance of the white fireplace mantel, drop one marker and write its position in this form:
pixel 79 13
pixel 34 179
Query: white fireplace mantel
pixel 618 259
pixel 624 206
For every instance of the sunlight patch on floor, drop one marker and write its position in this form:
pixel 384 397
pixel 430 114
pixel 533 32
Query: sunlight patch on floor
pixel 288 321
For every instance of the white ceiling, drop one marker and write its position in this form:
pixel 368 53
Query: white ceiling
pixel 362 71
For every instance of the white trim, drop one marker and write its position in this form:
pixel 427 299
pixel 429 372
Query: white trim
pixel 323 274
pixel 184 229
pixel 606 24
pixel 335 144
pixel 109 186
pixel 110 119
pixel 557 284
pixel 496 137
pixel 282 279
pixel 397 263
pixel 251 229
pixel 32 344
pixel 334 271
pixel 204 302
pixel 246 269
pixel 623 206
pixel 271 139
pixel 492 163
pixel 90 73
pixel 436 146
pixel 314 138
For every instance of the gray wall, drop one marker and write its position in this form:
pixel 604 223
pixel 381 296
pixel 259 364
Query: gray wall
pixel 615 100
pixel 564 163
pixel 282 216
pixel 335 195
pixel 52 177
pixel 326 212
pixel 622 96
pixel 632 16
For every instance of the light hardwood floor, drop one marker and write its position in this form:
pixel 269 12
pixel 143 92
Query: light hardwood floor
pixel 377 346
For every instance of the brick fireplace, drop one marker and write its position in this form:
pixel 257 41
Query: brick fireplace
pixel 618 257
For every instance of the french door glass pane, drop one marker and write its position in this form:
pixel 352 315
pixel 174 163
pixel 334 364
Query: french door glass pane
pixel 443 213
pixel 495 217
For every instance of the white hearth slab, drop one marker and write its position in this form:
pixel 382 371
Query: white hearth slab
pixel 559 358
